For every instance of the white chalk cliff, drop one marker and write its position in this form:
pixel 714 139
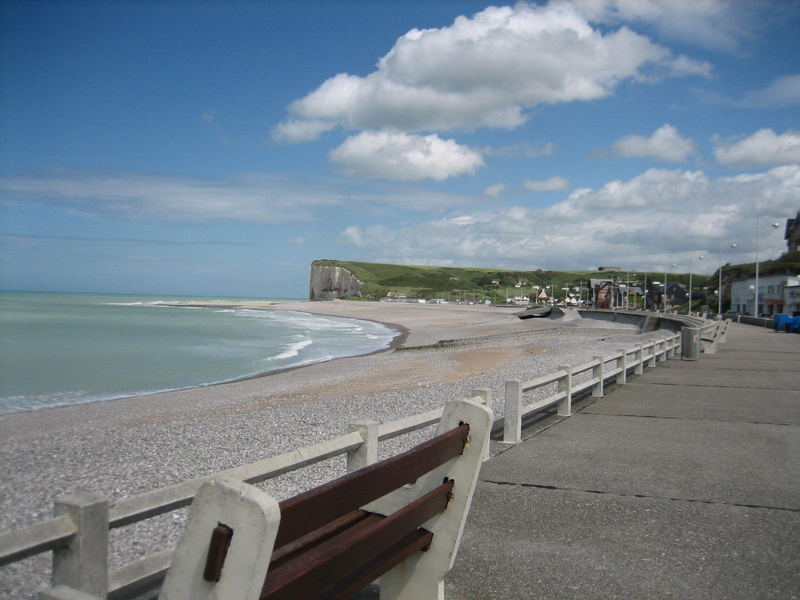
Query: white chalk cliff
pixel 330 282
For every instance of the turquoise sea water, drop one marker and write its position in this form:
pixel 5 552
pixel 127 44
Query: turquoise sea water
pixel 70 348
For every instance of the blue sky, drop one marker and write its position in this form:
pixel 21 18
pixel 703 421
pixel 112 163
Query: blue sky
pixel 206 148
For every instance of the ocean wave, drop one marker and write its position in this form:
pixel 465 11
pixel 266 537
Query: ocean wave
pixel 293 350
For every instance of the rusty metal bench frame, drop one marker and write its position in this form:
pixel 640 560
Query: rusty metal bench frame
pixel 400 519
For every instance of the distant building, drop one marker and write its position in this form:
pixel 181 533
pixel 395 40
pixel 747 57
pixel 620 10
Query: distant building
pixel 791 299
pixel 776 294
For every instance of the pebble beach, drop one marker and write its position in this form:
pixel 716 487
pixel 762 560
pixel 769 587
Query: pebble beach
pixel 126 447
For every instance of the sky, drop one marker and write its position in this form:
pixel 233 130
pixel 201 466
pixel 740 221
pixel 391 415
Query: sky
pixel 217 149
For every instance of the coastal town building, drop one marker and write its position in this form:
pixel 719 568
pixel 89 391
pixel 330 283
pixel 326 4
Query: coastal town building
pixel 791 299
pixel 776 294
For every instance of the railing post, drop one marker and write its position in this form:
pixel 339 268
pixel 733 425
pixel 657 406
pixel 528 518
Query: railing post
pixel 651 362
pixel 80 569
pixel 639 368
pixel 662 351
pixel 512 428
pixel 597 373
pixel 367 452
pixel 565 386
pixel 485 394
pixel 622 364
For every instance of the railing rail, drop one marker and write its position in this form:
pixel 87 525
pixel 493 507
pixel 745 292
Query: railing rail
pixel 84 521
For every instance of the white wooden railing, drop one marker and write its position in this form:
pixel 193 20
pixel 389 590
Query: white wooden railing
pixel 78 533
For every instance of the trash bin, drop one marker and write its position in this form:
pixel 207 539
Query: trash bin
pixel 690 343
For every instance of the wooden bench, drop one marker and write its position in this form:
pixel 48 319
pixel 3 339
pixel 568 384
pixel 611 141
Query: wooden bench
pixel 399 519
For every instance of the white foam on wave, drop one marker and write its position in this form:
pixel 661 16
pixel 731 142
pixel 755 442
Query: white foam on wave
pixel 293 350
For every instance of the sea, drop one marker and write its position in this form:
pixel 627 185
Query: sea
pixel 59 348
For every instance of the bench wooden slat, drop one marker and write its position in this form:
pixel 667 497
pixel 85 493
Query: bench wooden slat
pixel 288 551
pixel 416 541
pixel 310 510
pixel 324 565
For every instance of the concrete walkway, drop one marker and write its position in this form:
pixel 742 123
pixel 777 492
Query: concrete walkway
pixel 683 483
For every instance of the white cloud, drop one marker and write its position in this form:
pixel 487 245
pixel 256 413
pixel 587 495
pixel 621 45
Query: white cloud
pixel 783 92
pixel 292 131
pixel 763 148
pixel 495 191
pixel 711 23
pixel 394 155
pixel 664 144
pixel 552 184
pixel 484 71
pixel 648 222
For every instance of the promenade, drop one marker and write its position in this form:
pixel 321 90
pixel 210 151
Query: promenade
pixel 682 483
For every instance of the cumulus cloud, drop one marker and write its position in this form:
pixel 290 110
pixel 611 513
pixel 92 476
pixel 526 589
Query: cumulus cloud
pixel 395 155
pixel 664 144
pixel 293 131
pixel 712 23
pixel 484 71
pixel 648 222
pixel 548 185
pixel 763 148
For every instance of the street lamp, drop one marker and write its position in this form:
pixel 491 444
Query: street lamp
pixel 719 288
pixel 656 283
pixel 755 305
pixel 628 290
pixel 666 274
pixel 691 265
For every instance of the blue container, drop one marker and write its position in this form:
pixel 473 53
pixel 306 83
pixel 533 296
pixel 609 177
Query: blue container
pixel 781 319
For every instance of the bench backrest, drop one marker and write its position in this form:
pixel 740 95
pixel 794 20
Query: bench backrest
pixel 376 518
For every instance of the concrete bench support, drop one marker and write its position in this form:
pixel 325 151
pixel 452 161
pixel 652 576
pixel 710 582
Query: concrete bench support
pixel 252 519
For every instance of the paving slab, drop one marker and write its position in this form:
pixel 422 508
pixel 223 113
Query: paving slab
pixel 683 483
pixel 560 544
pixel 743 463
pixel 728 404
pixel 733 378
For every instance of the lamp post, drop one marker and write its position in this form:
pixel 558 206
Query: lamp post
pixel 755 305
pixel 628 290
pixel 645 290
pixel 691 268
pixel 666 274
pixel 719 288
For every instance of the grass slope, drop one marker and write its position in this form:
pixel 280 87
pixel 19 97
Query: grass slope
pixel 460 282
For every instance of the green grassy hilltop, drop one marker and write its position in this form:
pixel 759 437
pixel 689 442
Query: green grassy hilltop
pixel 457 283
